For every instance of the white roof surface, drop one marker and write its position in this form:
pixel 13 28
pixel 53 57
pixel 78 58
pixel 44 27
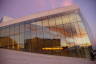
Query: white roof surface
pixel 41 14
pixel 6 18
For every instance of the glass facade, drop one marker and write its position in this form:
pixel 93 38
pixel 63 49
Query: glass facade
pixel 61 34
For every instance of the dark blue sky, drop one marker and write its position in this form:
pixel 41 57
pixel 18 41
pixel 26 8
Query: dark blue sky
pixel 19 8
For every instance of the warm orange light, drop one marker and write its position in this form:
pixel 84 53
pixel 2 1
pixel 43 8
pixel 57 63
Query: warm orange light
pixel 59 48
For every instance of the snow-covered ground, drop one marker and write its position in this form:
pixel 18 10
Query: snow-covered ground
pixel 16 57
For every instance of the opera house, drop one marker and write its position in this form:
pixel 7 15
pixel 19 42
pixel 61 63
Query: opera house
pixel 62 31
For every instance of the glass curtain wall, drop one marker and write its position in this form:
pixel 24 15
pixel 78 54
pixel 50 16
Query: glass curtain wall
pixel 61 34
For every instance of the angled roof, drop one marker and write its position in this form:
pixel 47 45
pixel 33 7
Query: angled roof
pixel 40 14
pixel 6 18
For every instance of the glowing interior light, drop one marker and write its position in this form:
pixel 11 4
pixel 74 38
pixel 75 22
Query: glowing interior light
pixel 57 48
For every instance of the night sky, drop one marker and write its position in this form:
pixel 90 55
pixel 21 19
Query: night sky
pixel 19 8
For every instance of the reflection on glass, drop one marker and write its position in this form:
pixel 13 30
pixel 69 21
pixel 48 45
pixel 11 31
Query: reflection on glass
pixel 63 35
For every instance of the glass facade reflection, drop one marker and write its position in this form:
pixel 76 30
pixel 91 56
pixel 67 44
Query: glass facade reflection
pixel 60 34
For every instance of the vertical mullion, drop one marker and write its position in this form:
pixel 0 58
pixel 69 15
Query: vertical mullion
pixel 9 37
pixel 43 32
pixel 24 37
pixel 30 36
pixel 36 38
pixel 57 16
pixel 19 38
pixel 49 28
pixel 13 36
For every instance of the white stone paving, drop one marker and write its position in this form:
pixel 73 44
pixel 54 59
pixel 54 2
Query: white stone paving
pixel 16 57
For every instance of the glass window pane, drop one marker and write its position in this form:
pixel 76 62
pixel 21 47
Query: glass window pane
pixel 82 28
pixel 22 27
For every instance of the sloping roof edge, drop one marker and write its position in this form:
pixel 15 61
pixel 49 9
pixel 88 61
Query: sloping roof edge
pixel 41 14
pixel 6 18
